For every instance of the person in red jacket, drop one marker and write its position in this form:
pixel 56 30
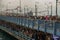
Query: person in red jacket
pixel 46 17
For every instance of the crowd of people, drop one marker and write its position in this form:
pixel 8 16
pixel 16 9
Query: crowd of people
pixel 34 34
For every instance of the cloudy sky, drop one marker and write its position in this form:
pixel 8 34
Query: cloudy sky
pixel 42 4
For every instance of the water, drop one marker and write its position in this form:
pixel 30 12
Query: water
pixel 5 36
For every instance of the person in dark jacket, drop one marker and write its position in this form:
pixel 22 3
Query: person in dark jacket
pixel 43 37
pixel 35 36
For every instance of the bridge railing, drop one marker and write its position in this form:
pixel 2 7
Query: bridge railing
pixel 57 28
pixel 52 27
pixel 41 25
pixel 49 27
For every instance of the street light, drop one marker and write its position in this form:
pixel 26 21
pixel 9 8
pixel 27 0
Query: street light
pixel 36 9
pixel 24 10
pixel 56 8
pixel 0 6
pixel 51 8
pixel 20 6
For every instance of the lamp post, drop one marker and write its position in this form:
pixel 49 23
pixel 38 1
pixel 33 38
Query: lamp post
pixel 24 10
pixel 27 10
pixel 36 9
pixel 51 9
pixel 56 8
pixel 0 6
pixel 20 6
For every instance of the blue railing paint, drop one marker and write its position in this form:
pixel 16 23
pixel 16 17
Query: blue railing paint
pixel 49 27
pixel 41 25
pixel 36 24
pixel 57 25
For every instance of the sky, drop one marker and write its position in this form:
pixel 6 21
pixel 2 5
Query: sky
pixel 41 4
